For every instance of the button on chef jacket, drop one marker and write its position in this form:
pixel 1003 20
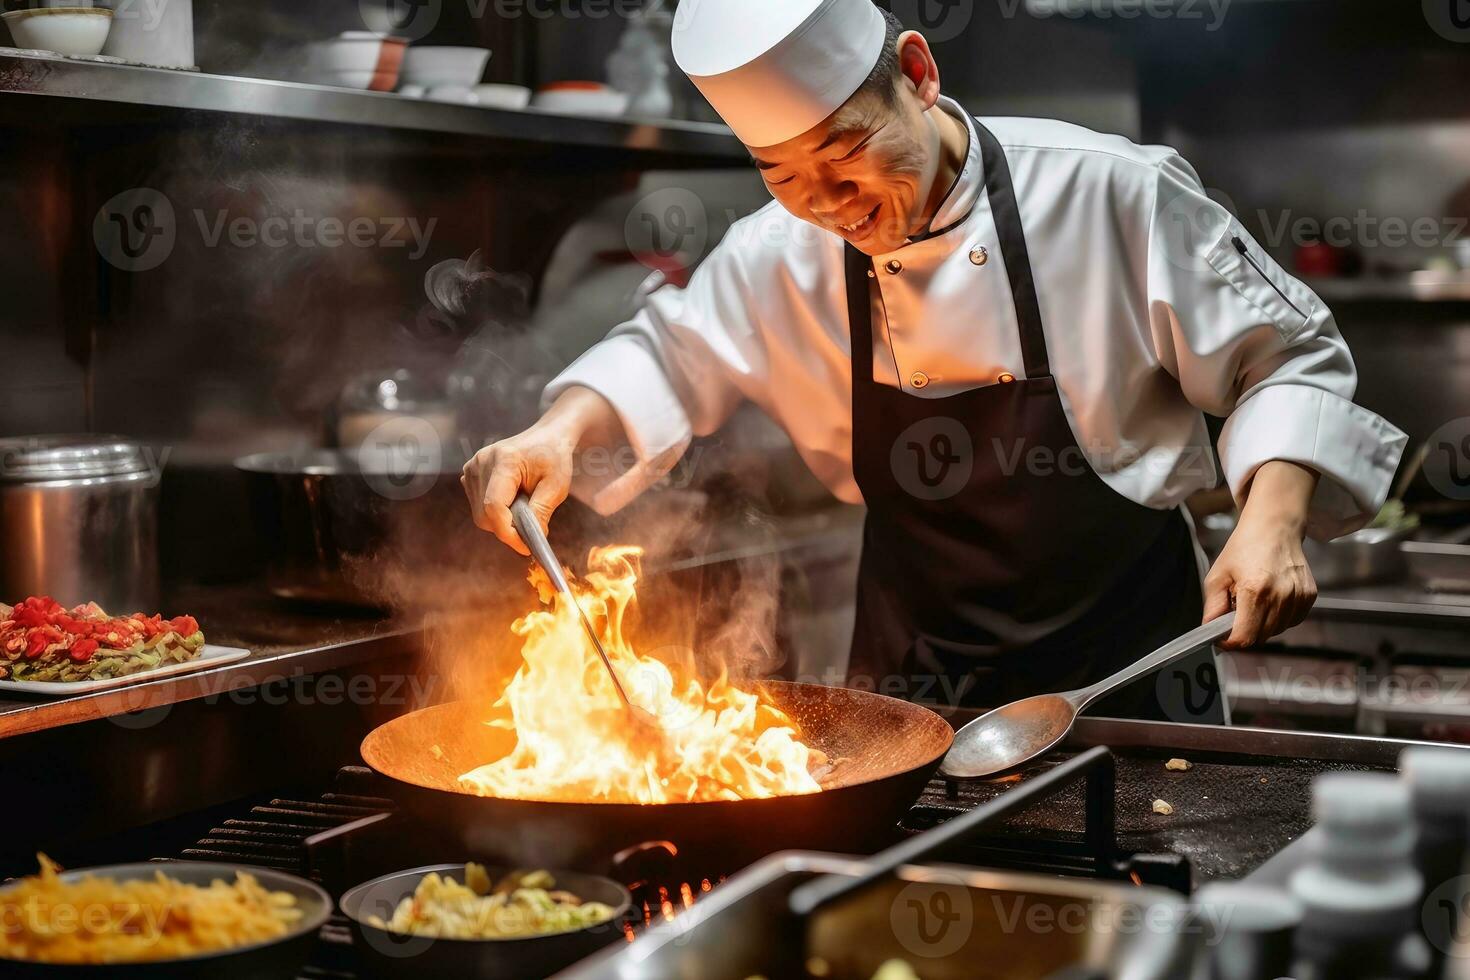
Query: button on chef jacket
pixel 1157 304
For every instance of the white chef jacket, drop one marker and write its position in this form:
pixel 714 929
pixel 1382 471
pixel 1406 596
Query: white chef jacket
pixel 1152 315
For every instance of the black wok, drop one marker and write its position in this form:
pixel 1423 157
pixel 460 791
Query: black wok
pixel 891 748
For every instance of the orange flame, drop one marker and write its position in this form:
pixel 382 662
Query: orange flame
pixel 575 741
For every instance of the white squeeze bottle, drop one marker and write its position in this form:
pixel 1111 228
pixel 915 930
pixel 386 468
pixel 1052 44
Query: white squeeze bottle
pixel 1438 778
pixel 1360 892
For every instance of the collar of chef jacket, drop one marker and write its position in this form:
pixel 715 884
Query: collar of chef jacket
pixel 959 200
pixel 933 294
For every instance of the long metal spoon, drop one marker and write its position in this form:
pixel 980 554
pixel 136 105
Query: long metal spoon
pixel 1006 737
pixel 530 531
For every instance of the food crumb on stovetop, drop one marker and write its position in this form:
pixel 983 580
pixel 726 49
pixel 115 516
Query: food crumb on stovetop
pixel 1162 807
pixel 1178 765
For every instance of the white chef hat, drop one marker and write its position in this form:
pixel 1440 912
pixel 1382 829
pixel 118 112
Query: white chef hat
pixel 775 68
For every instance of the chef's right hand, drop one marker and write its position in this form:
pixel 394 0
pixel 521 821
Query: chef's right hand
pixel 537 461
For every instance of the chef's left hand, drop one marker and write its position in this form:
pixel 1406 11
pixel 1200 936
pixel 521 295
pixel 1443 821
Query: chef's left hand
pixel 1262 567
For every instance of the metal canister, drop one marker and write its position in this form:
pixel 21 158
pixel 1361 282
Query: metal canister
pixel 79 521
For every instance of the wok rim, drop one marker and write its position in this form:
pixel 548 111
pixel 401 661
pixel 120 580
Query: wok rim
pixel 929 715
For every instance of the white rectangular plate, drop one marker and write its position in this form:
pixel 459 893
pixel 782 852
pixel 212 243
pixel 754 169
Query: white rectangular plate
pixel 210 656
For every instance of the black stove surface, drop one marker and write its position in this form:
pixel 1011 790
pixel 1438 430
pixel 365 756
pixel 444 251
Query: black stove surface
pixel 1230 813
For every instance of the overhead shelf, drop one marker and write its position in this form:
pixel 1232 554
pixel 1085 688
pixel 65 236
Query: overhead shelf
pixel 1419 288
pixel 100 82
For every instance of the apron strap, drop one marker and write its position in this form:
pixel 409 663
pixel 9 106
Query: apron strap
pixel 1007 217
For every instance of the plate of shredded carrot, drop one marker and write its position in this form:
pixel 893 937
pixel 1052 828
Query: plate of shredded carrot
pixel 152 913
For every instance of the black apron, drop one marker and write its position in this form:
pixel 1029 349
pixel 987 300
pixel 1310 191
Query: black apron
pixel 996 563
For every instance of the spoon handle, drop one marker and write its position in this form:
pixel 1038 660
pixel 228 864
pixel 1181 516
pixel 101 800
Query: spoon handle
pixel 530 531
pixel 1174 650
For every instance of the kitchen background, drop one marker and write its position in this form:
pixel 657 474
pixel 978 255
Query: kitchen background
pixel 209 340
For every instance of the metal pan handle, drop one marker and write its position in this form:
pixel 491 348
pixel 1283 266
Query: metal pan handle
pixel 807 898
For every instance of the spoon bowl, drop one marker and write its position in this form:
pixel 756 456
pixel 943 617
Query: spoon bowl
pixel 1005 737
pixel 1013 734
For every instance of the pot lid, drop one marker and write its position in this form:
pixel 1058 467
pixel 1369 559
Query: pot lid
pixel 38 459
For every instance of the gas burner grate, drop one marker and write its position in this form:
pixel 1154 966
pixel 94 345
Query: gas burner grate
pixel 274 834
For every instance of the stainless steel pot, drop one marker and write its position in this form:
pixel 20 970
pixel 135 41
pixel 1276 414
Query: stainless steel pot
pixel 79 522
pixel 326 517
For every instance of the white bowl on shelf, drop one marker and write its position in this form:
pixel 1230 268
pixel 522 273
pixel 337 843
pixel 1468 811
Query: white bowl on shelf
pixel 581 99
pixel 462 94
pixel 356 59
pixel 498 96
pixel 77 31
pixel 437 64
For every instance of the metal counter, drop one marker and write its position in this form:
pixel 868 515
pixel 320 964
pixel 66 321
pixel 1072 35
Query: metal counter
pixel 284 643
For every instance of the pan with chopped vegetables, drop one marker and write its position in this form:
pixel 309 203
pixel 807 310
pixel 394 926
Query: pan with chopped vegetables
pixel 458 920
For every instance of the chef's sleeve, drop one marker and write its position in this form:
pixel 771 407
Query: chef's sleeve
pixel 1252 344
pixel 677 369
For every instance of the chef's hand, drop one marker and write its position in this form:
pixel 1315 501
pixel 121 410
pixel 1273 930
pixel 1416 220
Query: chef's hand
pixel 1262 568
pixel 538 461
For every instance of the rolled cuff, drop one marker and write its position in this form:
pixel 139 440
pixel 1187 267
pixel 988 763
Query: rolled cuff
pixel 625 372
pixel 1355 451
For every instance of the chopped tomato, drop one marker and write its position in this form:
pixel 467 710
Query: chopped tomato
pixel 184 625
pixel 40 622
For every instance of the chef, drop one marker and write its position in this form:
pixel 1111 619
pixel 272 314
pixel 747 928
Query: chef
pixel 1000 335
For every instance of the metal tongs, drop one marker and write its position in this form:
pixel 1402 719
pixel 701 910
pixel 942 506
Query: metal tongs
pixel 530 531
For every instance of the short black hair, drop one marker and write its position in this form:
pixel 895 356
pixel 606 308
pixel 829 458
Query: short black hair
pixel 882 80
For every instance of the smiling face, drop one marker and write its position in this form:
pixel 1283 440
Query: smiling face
pixel 867 172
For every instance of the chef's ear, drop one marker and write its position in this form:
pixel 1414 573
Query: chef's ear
pixel 918 66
